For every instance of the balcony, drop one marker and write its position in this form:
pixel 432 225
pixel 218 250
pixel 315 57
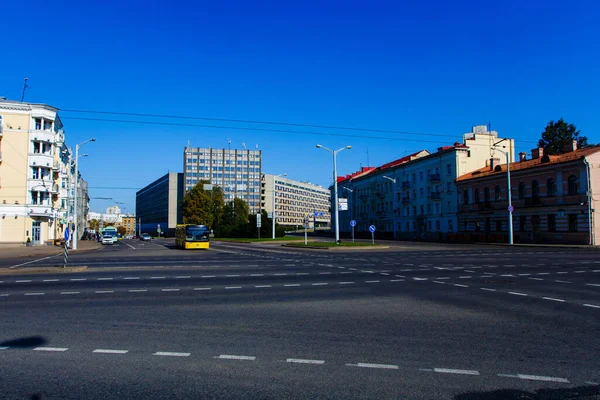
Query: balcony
pixel 39 210
pixel 437 196
pixel 41 159
pixel 43 136
pixel 405 185
pixel 406 200
pixel 434 178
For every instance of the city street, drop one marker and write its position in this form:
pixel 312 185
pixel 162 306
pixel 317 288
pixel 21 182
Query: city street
pixel 413 321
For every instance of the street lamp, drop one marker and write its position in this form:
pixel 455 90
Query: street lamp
pixel 510 208
pixel 393 203
pixel 335 191
pixel 76 230
pixel 273 213
pixel 351 208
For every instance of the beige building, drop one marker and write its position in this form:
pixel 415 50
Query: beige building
pixel 554 198
pixel 35 174
pixel 293 200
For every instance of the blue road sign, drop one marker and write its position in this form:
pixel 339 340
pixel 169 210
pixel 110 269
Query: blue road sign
pixel 372 228
pixel 353 223
pixel 67 234
pixel 511 209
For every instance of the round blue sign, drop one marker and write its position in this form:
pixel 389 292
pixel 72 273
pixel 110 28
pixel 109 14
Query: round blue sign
pixel 353 223
pixel 372 228
pixel 511 209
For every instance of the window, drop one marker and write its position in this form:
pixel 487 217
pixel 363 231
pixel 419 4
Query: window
pixel 522 222
pixel 407 227
pixel 448 187
pixel 498 225
pixel 486 195
pixel 449 169
pixel 438 226
pixel 521 190
pixel 38 124
pixel 421 176
pixel 551 223
pixel 572 222
pixel 422 209
pixel 421 192
pixel 476 196
pixel 428 208
pixel 572 185
pixel 437 208
pixel 413 177
pixel 550 188
pixel 466 197
pixel 497 193
pixel 429 226
pixel 535 189
pixel 414 210
pixel 450 226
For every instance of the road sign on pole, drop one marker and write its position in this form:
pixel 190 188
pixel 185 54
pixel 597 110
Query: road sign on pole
pixel 372 230
pixel 352 224
pixel 511 209
pixel 66 255
pixel 258 224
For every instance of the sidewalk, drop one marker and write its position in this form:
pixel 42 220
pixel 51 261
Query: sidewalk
pixel 43 250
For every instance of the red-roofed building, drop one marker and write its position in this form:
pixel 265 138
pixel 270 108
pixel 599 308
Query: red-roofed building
pixel 413 196
pixel 552 196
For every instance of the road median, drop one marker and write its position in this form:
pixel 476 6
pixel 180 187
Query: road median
pixel 43 270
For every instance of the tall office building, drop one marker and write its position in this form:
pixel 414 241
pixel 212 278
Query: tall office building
pixel 158 205
pixel 236 172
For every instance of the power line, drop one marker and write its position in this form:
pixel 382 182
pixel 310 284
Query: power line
pixel 259 129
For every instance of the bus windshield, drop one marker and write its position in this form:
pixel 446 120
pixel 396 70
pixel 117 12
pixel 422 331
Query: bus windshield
pixel 196 233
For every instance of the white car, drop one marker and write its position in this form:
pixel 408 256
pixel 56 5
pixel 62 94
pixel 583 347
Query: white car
pixel 107 239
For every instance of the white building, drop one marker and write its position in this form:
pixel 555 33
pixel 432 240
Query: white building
pixel 415 196
pixel 293 200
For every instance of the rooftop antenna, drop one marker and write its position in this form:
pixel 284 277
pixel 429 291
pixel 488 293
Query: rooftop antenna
pixel 189 144
pixel 256 146
pixel 244 146
pixel 25 86
pixel 368 162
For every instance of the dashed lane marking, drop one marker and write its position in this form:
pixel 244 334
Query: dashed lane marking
pixel 518 294
pixel 34 294
pixel 233 287
pixel 157 277
pixel 292 285
pixel 105 279
pixel 171 354
pixel 459 285
pixel 303 361
pixel 169 290
pixel 234 357
pixel 23 281
pixel 488 289
pixel 104 291
pixel 320 284
pixel 369 282
pixel 50 280
pixel 137 290
pixel 131 277
pixel 202 288
pixel 110 351
pixel 369 365
pixel 69 292
pixel 51 349
pixel 592 284
pixel 558 281
pixel 535 378
pixel 591 305
pixel 346 283
pixel 455 371
pixel 554 299
pixel 262 286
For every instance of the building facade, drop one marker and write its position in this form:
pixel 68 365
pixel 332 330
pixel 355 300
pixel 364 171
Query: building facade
pixel 129 223
pixel 36 175
pixel 237 172
pixel 158 205
pixel 293 200
pixel 414 197
pixel 554 198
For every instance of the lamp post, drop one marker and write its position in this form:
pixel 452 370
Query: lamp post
pixel 351 208
pixel 335 191
pixel 510 208
pixel 76 230
pixel 273 213
pixel 393 203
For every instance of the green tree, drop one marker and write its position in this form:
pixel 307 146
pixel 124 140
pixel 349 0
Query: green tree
pixel 558 134
pixel 235 219
pixel 121 230
pixel 203 207
pixel 95 224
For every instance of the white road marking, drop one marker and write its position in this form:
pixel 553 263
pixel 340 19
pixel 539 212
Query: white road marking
pixel 537 279
pixel 346 283
pixel 23 281
pixel 443 283
pixel 524 274
pixel 562 281
pixel 320 284
pixel 396 280
pixel 182 277
pixel 34 294
pixel 579 272
pixel 69 292
pixel 279 274
pixel 518 294
pixel 324 273
pixel 302 361
pixel 443 277
pixel 535 378
pixel 472 272
pixel 157 277
pixel 78 279
pixel 257 274
pixel 29 262
pixel 455 371
pixel 110 351
pixel 292 284
pixel 50 280
pixel 262 286
pixel 233 287
pixel 233 357
pixel 592 284
pixel 543 273
pixel 137 290
pixel 127 244
pixel 465 277
pixel 171 354
pixel 3 347
pixel 371 281
pixel 105 279
pixel 202 288
pixel 489 290
pixel 231 276
pixel 4 295
pixel 131 277
pixel 553 299
pixel 381 273
pixel 420 279
pixel 369 365
pixel 104 291
pixel 459 285
pixel 591 305
pixel 169 290
pixel 51 349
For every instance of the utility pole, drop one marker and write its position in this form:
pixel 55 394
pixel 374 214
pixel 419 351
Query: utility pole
pixel 25 86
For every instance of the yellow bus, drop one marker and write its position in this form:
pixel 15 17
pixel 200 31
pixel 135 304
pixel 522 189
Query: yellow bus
pixel 192 236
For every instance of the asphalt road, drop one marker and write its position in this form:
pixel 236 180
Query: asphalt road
pixel 245 321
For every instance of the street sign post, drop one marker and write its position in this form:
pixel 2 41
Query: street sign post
pixel 306 230
pixel 258 224
pixel 511 209
pixel 372 230
pixel 66 257
pixel 353 224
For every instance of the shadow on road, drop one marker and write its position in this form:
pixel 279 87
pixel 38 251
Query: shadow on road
pixel 576 393
pixel 32 341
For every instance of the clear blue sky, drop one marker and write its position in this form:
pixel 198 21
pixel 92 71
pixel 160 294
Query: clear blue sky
pixel 431 67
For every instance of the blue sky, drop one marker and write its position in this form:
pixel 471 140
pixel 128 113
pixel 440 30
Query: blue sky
pixel 428 67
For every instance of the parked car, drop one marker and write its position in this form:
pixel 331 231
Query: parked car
pixel 107 239
pixel 145 236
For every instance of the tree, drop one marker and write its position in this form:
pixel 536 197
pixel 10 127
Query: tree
pixel 121 230
pixel 235 219
pixel 202 207
pixel 558 134
pixel 95 225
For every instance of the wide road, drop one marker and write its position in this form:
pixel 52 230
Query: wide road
pixel 414 321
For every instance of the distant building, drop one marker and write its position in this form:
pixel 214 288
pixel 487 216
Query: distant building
pixel 414 196
pixel 554 199
pixel 129 223
pixel 36 175
pixel 294 200
pixel 158 206
pixel 237 172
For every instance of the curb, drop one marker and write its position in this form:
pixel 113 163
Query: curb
pixel 341 248
pixel 545 246
pixel 45 270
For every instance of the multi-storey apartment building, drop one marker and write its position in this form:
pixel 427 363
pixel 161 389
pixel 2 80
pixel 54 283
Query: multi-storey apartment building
pixel 158 205
pixel 237 172
pixel 293 200
pixel 554 199
pixel 36 175
pixel 415 196
pixel 129 223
